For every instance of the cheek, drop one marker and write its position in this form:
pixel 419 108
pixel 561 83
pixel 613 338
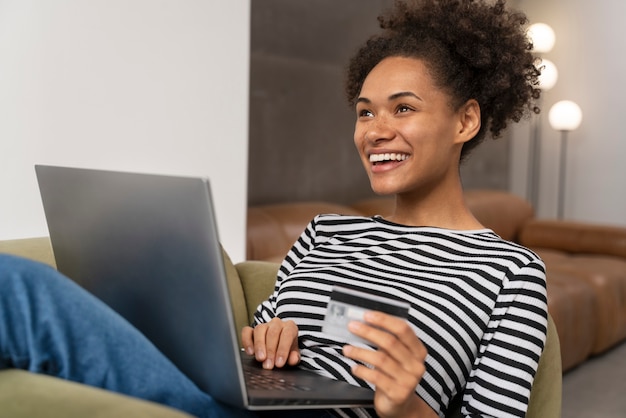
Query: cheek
pixel 359 137
pixel 427 135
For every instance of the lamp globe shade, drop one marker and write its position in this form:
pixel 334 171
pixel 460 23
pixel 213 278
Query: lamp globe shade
pixel 542 37
pixel 565 116
pixel 549 74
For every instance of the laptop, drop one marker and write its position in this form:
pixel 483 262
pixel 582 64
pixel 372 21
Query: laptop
pixel 147 245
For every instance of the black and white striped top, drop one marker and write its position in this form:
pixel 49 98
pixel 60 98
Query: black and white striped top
pixel 478 303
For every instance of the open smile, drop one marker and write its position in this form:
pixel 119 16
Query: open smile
pixel 377 159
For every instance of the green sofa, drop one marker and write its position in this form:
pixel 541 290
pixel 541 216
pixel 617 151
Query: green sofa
pixel 24 394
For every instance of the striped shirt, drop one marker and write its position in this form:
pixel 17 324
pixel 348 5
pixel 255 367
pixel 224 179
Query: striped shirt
pixel 478 304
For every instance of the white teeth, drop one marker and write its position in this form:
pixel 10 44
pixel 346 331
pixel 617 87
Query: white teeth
pixel 375 158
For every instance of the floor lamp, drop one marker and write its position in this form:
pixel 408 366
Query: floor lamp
pixel 547 80
pixel 543 39
pixel 564 116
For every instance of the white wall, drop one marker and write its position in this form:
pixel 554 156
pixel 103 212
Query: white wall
pixel 156 86
pixel 589 55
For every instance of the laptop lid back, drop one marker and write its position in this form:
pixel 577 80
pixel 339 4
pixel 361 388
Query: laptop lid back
pixel 147 245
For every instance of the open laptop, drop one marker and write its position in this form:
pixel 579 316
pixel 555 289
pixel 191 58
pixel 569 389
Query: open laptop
pixel 147 245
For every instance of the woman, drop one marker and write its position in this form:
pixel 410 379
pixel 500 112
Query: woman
pixel 425 92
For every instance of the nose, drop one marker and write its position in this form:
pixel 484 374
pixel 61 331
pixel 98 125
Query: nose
pixel 379 130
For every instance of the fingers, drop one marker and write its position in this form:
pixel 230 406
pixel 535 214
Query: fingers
pixel 280 339
pixel 394 384
pixel 391 334
pixel 247 340
pixel 294 352
pixel 385 370
pixel 396 367
pixel 274 344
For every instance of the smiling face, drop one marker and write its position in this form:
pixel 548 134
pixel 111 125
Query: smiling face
pixel 407 133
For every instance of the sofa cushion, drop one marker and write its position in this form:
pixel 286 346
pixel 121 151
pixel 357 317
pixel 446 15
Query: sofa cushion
pixel 258 279
pixel 572 305
pixel 575 237
pixel 606 277
pixel 237 297
pixel 24 394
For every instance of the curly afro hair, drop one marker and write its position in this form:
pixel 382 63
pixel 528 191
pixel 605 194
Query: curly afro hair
pixel 473 50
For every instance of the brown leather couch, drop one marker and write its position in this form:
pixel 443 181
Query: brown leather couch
pixel 585 263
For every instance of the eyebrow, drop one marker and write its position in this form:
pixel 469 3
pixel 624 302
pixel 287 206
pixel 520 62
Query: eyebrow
pixel 391 98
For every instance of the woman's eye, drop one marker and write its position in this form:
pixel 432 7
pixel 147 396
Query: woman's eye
pixel 404 109
pixel 364 113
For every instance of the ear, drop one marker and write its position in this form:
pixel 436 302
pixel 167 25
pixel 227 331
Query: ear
pixel 469 121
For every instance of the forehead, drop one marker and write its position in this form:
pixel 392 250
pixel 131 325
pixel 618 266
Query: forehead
pixel 395 74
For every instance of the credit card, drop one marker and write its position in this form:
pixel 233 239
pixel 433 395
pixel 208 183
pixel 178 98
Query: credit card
pixel 347 305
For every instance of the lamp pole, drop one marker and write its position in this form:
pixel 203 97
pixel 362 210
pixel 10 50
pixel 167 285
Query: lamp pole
pixel 547 80
pixel 543 39
pixel 562 173
pixel 534 152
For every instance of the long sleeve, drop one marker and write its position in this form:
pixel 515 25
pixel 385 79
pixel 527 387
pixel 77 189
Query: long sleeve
pixel 501 378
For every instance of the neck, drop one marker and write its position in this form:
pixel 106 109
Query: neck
pixel 442 207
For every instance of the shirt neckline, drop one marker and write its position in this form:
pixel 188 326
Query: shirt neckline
pixel 380 219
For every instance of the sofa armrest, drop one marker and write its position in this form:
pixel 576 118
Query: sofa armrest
pixel 24 395
pixel 547 391
pixel 574 237
pixel 38 249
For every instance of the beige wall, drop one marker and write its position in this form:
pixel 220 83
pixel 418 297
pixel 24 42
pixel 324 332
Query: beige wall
pixel 144 85
pixel 589 55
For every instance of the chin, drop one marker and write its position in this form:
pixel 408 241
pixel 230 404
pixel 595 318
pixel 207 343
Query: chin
pixel 383 190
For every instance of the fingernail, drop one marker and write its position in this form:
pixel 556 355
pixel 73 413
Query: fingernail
pixel 250 351
pixel 267 364
pixel 369 316
pixel 280 361
pixel 260 354
pixel 354 325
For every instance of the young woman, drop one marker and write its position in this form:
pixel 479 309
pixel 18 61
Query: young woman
pixel 426 91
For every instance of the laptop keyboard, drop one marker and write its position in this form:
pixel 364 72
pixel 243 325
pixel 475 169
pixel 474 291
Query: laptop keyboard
pixel 256 380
